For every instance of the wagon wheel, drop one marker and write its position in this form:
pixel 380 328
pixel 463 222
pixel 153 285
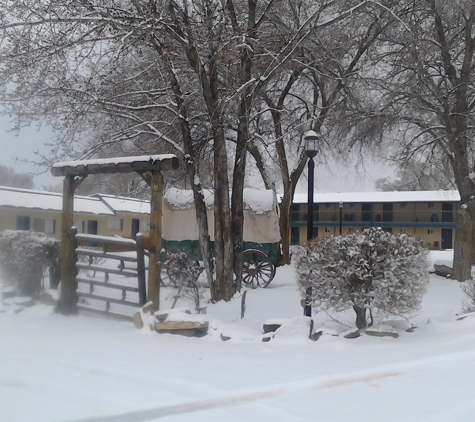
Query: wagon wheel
pixel 179 269
pixel 257 269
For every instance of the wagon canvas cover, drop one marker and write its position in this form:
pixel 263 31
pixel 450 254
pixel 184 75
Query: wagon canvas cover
pixel 261 220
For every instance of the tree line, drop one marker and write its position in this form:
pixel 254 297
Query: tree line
pixel 229 84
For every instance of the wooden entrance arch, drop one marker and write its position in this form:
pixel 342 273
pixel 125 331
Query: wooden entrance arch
pixel 150 168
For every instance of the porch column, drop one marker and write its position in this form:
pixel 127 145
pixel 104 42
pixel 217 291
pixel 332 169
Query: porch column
pixel 68 298
pixel 155 239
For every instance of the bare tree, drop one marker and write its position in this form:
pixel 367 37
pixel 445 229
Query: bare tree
pixel 419 175
pixel 132 75
pixel 9 177
pixel 421 97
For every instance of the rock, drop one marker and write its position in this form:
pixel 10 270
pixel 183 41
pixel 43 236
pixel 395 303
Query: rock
pixel 24 301
pixel 49 297
pixel 318 332
pixel 267 337
pixel 148 308
pixel 184 328
pixel 161 316
pixel 8 292
pixel 239 332
pixel 443 270
pixel 272 325
pixel 381 333
pixel 353 333
pixel 316 335
pixel 138 322
pixel 295 327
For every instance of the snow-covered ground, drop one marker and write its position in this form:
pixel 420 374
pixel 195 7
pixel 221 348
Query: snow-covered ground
pixel 88 368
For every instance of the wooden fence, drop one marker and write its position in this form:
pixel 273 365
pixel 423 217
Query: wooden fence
pixel 122 292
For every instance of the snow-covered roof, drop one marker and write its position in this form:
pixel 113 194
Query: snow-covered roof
pixel 124 204
pixel 181 199
pixel 115 165
pixel 375 197
pixel 49 201
pixel 256 200
pixel 98 204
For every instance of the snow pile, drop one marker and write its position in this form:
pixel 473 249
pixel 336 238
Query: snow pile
pixel 97 369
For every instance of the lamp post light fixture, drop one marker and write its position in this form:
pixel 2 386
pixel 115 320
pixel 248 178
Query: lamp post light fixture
pixel 340 205
pixel 311 142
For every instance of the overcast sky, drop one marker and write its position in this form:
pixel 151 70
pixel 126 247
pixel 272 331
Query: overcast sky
pixel 328 178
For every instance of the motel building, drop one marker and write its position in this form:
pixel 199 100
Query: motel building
pixel 40 211
pixel 426 215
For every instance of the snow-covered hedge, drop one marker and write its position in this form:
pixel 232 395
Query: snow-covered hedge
pixel 24 256
pixel 374 271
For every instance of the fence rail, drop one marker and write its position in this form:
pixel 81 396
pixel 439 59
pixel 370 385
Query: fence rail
pixel 102 291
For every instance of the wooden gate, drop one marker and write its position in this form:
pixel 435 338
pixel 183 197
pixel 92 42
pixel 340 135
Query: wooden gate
pixel 110 274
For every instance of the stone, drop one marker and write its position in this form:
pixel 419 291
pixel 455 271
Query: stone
pixel 138 320
pixel 162 316
pixel 381 333
pixel 443 270
pixel 8 292
pixel 224 337
pixel 184 328
pixel 49 297
pixel 354 333
pixel 272 325
pixel 295 327
pixel 267 337
pixel 24 301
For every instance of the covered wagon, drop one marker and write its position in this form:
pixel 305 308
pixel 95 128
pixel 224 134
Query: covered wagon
pixel 261 230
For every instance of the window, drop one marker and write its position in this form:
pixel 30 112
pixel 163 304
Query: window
pixel 44 225
pixel 39 225
pixel 145 226
pixel 403 230
pixel 430 205
pixel 352 205
pixel 350 230
pixel 80 225
pixel 430 231
pixel 23 222
pixel 402 205
pixel 328 205
pixel 115 224
pixel 327 230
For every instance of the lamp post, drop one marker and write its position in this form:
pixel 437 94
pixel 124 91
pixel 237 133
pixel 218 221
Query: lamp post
pixel 340 205
pixel 311 139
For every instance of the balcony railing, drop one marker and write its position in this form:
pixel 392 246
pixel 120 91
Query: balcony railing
pixel 375 217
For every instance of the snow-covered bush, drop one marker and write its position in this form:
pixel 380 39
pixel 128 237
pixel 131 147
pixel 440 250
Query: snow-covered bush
pixel 374 271
pixel 24 256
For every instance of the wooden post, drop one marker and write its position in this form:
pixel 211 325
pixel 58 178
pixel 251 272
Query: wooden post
pixel 68 298
pixel 155 239
pixel 141 269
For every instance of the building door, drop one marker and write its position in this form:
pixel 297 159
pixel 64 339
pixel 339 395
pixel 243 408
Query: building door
pixel 135 227
pixel 447 239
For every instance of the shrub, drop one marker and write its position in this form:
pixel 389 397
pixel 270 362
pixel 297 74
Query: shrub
pixel 468 287
pixel 372 271
pixel 24 256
